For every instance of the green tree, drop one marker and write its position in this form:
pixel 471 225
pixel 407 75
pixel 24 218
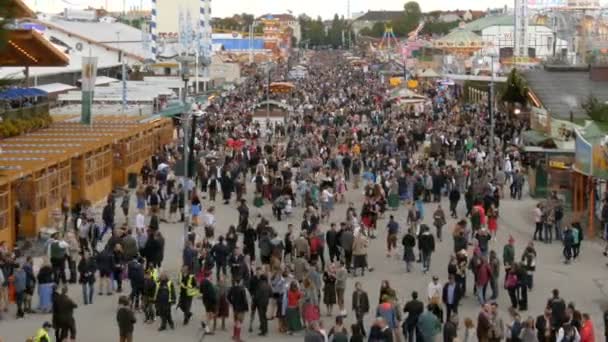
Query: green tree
pixel 247 20
pixel 315 32
pixel 6 16
pixel 366 32
pixel 334 34
pixel 438 27
pixel 377 30
pixel 516 90
pixel 595 109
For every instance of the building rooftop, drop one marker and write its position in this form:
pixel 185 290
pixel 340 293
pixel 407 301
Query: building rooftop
pixel 493 20
pixel 563 91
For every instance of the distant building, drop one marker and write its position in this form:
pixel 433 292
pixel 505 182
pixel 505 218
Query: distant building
pixel 287 20
pixel 499 31
pixel 372 17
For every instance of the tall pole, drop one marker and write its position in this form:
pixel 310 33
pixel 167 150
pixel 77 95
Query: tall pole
pixel 185 118
pixel 491 110
pixel 268 95
pixel 196 80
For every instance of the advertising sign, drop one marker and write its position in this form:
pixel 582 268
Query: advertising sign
pixel 600 159
pixel 540 4
pixel 582 156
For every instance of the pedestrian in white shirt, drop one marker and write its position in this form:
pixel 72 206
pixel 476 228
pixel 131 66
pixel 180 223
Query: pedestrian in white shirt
pixel 434 290
pixel 140 221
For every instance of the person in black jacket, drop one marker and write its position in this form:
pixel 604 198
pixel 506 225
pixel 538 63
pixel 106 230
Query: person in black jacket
pixel 450 329
pixel 261 298
pixel 125 317
pixel 220 253
pixel 165 298
pixel 413 309
pixel 149 291
pixel 360 302
pixel 63 316
pixel 331 239
pixel 118 267
pixel 237 297
pixel 426 243
pixel 451 295
pixel 107 215
pixel 86 270
pixel 454 197
pixel 105 265
pixel 558 310
pixel 236 260
pixel 380 331
pixel 135 273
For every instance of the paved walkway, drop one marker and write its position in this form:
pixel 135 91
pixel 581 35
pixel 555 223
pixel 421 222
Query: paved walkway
pixel 584 281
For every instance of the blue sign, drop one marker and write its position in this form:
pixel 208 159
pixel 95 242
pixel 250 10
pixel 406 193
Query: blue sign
pixel 582 155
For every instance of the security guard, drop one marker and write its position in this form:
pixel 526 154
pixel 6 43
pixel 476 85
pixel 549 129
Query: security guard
pixel 187 291
pixel 42 335
pixel 164 297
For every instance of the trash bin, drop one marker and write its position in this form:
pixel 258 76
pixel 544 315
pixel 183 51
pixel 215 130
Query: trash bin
pixel 132 180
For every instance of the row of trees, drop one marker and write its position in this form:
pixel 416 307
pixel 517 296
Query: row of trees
pixel 316 33
pixel 412 16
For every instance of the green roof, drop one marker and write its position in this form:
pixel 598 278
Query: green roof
pixel 461 36
pixel 493 20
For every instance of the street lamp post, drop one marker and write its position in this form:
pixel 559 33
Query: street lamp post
pixel 491 112
pixel 185 74
pixel 268 67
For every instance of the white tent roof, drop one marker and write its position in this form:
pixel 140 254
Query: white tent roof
pixel 102 80
pixel 429 73
pixel 52 88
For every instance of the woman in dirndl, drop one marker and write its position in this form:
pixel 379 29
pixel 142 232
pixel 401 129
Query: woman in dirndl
pixel 393 196
pixel 292 308
pixel 493 220
pixel 223 307
pixel 310 307
pixel 196 210
pixel 329 289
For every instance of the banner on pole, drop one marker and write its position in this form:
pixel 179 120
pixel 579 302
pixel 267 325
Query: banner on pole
pixel 87 85
pixel 89 73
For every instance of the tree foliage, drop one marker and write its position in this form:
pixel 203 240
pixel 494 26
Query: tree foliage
pixel 314 32
pixel 595 109
pixel 438 27
pixel 7 14
pixel 516 90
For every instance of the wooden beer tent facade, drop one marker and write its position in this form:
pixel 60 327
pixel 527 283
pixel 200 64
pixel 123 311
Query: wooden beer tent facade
pixel 70 161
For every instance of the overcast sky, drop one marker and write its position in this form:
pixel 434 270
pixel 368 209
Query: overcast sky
pixel 324 8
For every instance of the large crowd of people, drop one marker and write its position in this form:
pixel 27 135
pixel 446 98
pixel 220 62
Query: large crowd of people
pixel 288 269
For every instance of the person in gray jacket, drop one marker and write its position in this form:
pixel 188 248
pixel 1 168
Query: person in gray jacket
pixel 20 283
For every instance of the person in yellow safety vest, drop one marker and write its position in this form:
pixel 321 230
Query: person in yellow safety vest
pixel 164 297
pixel 42 335
pixel 153 271
pixel 187 291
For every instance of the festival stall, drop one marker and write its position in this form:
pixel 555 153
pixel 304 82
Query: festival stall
pixel 460 44
pixel 590 179
pixel 281 87
pixel 67 162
